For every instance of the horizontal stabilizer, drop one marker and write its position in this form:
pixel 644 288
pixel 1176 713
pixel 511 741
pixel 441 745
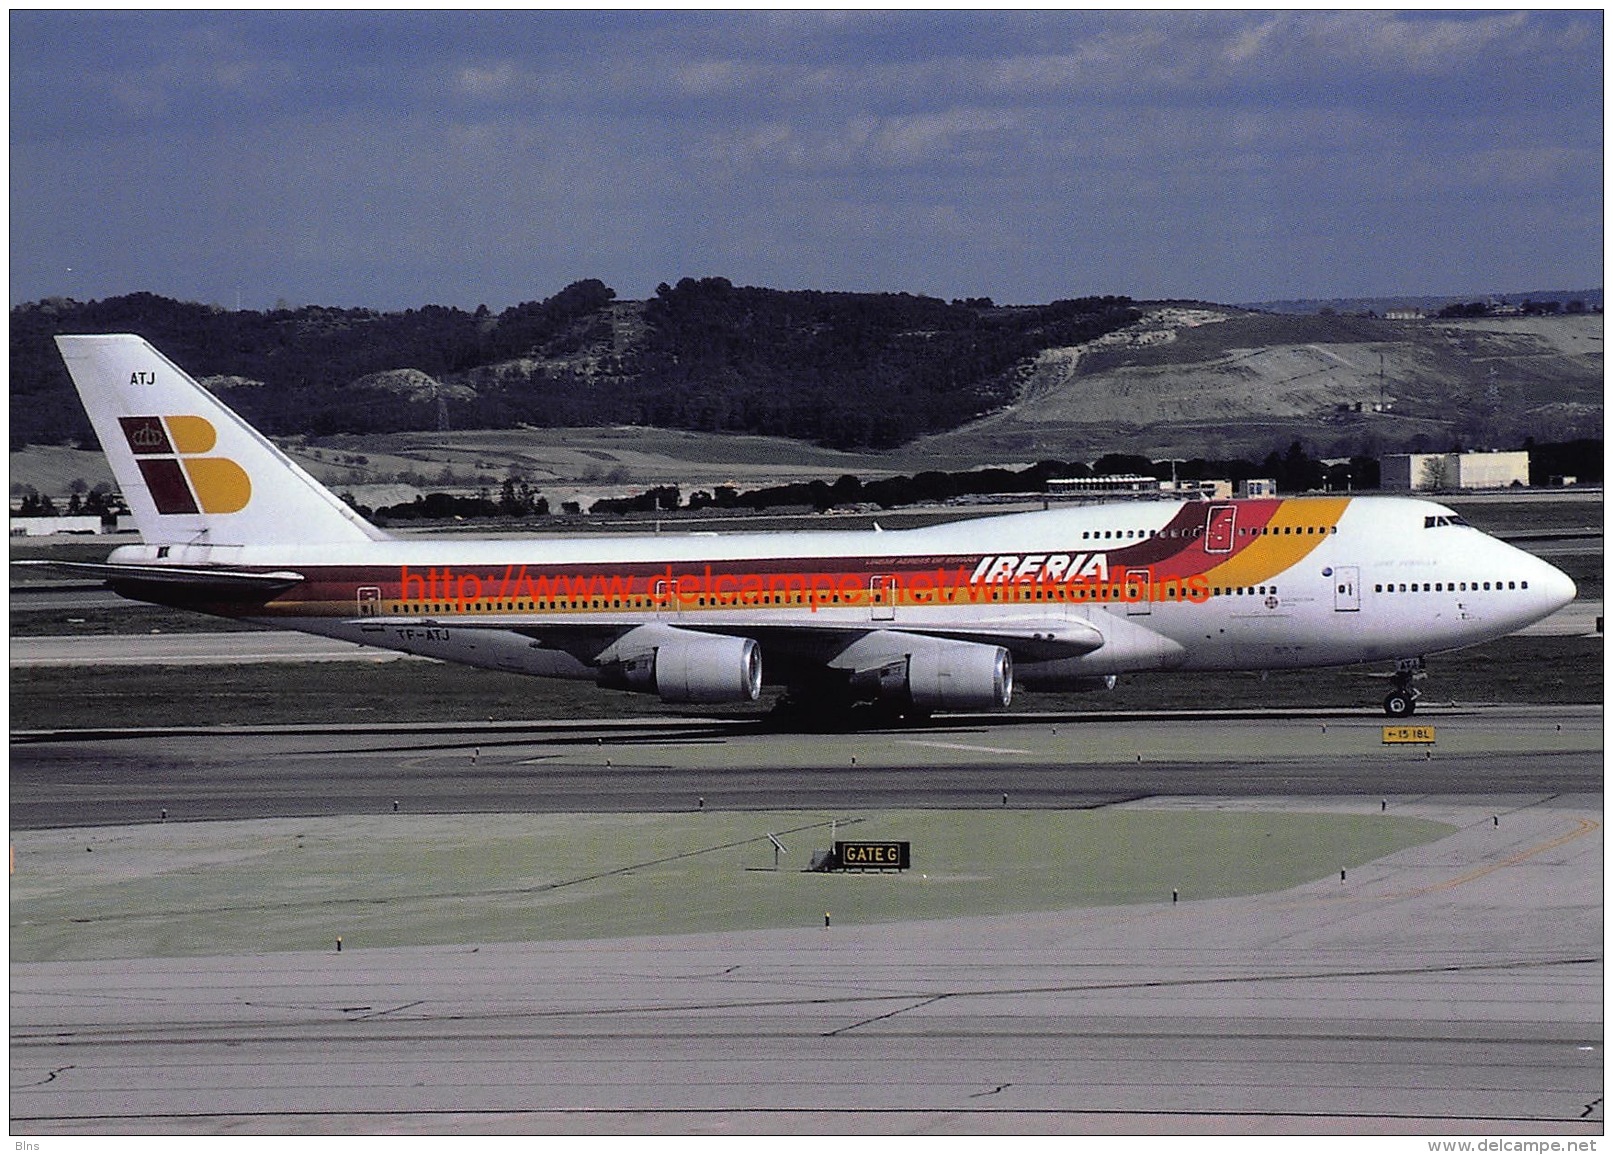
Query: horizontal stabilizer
pixel 178 577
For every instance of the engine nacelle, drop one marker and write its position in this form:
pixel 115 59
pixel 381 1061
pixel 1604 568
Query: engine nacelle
pixel 685 666
pixel 960 676
pixel 940 674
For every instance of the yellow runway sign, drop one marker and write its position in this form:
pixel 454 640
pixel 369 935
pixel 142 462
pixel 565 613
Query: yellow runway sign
pixel 1408 735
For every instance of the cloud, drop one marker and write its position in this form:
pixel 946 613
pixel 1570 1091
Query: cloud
pixel 464 156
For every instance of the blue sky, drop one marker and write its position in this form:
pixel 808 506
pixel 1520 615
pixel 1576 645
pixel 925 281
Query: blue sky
pixel 464 158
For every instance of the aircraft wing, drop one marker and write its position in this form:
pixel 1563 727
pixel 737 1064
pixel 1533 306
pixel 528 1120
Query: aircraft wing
pixel 1027 639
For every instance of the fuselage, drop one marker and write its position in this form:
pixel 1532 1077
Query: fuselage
pixel 1080 592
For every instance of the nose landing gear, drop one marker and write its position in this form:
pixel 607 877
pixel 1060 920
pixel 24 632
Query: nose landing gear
pixel 1401 701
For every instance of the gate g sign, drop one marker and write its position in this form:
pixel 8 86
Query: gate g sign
pixel 873 855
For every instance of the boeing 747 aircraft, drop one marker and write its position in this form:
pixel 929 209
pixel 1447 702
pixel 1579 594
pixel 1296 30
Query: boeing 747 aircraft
pixel 943 618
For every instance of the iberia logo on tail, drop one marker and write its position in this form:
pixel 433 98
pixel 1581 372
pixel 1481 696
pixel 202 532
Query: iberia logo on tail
pixel 172 455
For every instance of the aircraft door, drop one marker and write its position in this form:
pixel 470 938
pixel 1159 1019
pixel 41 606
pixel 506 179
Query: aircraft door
pixel 665 597
pixel 1220 528
pixel 369 601
pixel 1136 592
pixel 1346 588
pixel 882 597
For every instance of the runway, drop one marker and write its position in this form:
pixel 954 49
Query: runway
pixel 670 765
pixel 1450 987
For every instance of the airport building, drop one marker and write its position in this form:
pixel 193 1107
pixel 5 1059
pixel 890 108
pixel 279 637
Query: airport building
pixel 1111 483
pixel 1205 490
pixel 81 523
pixel 1432 471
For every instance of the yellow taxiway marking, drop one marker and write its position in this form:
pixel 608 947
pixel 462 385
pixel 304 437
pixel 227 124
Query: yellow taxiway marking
pixel 1585 826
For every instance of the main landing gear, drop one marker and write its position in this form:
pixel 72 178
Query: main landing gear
pixel 1401 701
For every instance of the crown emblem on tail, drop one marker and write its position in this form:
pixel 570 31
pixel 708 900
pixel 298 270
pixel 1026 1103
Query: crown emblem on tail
pixel 172 453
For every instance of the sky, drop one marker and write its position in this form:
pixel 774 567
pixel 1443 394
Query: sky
pixel 392 160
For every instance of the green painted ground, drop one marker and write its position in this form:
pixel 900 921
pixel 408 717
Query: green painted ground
pixel 394 880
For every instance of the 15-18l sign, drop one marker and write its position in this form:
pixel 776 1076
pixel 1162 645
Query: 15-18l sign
pixel 873 855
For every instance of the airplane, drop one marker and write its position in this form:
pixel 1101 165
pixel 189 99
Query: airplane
pixel 950 617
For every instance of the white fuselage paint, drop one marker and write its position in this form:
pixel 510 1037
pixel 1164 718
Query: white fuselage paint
pixel 1386 584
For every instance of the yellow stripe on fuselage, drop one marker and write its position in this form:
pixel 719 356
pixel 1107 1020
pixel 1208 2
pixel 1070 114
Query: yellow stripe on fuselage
pixel 1274 551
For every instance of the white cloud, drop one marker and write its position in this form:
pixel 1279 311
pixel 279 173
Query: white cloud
pixel 1055 152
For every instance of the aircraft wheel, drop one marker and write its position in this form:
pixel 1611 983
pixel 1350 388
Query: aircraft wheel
pixel 1400 704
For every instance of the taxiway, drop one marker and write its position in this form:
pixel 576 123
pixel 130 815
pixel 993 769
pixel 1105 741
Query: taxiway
pixel 1454 986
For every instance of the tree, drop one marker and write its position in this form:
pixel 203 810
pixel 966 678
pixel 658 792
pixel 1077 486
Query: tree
pixel 1436 473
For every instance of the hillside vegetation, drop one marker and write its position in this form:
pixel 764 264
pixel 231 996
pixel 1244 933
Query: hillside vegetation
pixel 848 370
pixel 962 382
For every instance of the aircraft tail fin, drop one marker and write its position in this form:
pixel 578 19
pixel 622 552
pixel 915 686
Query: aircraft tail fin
pixel 191 470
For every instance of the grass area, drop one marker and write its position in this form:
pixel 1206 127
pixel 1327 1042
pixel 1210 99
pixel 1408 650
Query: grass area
pixel 128 618
pixel 1518 669
pixel 1563 511
pixel 393 880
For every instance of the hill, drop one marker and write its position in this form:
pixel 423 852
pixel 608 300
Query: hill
pixel 1187 381
pixel 847 370
pixel 923 381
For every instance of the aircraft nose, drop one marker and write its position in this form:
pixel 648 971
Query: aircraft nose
pixel 1556 586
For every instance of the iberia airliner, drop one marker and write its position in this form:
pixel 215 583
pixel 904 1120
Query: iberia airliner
pixel 947 617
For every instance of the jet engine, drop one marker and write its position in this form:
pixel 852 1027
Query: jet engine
pixel 938 674
pixel 685 666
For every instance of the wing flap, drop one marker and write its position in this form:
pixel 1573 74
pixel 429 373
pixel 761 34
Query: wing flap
pixel 1027 639
pixel 1036 641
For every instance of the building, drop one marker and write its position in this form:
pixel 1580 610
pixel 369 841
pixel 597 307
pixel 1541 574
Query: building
pixel 1258 487
pixel 46 526
pixel 1433 471
pixel 1114 483
pixel 1218 490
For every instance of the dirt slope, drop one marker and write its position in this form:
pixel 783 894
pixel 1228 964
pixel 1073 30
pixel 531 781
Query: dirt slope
pixel 1196 380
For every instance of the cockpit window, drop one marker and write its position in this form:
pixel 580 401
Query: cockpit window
pixel 1434 519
